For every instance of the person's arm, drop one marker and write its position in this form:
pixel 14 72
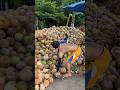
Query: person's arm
pixel 60 55
pixel 60 51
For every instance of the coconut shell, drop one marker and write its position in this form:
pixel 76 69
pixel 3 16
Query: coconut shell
pixel 63 70
pixel 57 75
pixel 18 36
pixel 10 86
pixel 52 66
pixel 4 61
pixel 42 87
pixel 47 76
pixel 4 43
pixel 2 34
pixel 54 71
pixel 26 74
pixel 45 70
pixel 37 87
pixel 51 80
pixel 2 83
pixel 21 85
pixel 11 74
pixel 15 60
pixel 46 83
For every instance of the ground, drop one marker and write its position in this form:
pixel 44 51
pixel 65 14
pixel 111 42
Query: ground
pixel 76 82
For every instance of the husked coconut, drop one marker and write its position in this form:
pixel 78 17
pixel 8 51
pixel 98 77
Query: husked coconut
pixel 2 82
pixel 4 43
pixel 63 70
pixel 18 36
pixel 52 66
pixel 46 83
pixel 51 80
pixel 10 86
pixel 21 85
pixel 2 34
pixel 15 60
pixel 26 74
pixel 57 75
pixel 37 87
pixel 11 73
pixel 45 70
pixel 20 65
pixel 4 61
pixel 54 71
pixel 42 87
pixel 47 76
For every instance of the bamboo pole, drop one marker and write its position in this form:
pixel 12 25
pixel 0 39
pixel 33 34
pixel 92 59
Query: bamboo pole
pixel 73 20
pixel 68 19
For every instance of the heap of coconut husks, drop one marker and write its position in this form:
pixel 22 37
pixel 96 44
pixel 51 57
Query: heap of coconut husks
pixel 46 56
pixel 17 48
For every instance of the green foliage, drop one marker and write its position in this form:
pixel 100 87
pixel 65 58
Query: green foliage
pixel 50 13
pixel 80 19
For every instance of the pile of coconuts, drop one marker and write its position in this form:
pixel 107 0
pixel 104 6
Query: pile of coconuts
pixel 17 49
pixel 102 27
pixel 113 6
pixel 46 56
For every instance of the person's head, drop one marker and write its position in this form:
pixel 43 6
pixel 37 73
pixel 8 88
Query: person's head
pixel 55 44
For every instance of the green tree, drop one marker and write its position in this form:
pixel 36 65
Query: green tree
pixel 50 12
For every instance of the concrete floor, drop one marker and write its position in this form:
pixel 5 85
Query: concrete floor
pixel 76 82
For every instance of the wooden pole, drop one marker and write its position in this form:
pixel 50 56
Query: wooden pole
pixel 73 20
pixel 68 19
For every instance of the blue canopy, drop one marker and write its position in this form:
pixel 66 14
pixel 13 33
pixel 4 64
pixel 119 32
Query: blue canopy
pixel 76 7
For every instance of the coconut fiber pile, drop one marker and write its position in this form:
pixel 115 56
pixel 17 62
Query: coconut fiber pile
pixel 46 56
pixel 17 49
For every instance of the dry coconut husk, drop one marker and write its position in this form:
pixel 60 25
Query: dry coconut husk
pixel 63 70
pixel 46 83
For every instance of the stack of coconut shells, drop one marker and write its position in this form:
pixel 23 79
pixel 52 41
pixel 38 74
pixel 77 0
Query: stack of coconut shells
pixel 103 27
pixel 17 49
pixel 113 6
pixel 46 56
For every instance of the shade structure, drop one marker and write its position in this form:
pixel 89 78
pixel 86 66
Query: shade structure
pixel 76 7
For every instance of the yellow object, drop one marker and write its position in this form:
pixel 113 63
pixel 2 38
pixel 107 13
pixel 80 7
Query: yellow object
pixel 101 63
pixel 74 56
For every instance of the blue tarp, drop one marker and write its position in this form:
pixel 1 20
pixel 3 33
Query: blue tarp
pixel 76 7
